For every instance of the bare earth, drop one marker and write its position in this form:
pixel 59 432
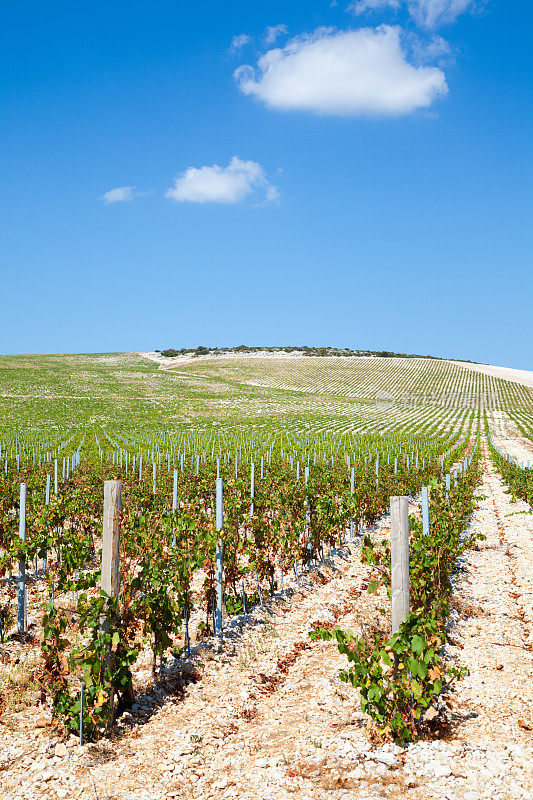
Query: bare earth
pixel 522 376
pixel 507 438
pixel 525 377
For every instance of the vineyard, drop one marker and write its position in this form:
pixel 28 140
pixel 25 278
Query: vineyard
pixel 207 590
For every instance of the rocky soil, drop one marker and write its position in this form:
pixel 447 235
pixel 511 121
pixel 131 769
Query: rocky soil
pixel 507 438
pixel 267 717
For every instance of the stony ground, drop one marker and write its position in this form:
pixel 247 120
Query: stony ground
pixel 507 438
pixel 269 718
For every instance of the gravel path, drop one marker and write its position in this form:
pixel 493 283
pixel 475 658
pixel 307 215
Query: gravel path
pixel 269 717
pixel 507 437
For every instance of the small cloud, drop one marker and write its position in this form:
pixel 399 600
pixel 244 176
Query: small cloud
pixel 366 6
pixel 215 184
pixel 433 13
pixel 273 31
pixel 272 194
pixel 435 49
pixel 428 14
pixel 238 42
pixel 122 194
pixel 345 73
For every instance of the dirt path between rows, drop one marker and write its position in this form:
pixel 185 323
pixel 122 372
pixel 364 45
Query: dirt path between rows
pixel 270 719
pixel 507 437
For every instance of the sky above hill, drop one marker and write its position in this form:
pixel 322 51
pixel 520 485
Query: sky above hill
pixel 352 174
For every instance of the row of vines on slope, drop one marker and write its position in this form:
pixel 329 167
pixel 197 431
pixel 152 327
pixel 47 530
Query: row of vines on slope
pixel 402 677
pixel 167 558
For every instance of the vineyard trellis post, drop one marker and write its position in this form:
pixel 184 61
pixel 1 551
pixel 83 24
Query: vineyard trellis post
pixel 252 487
pixel 111 538
pixel 47 503
pixel 219 567
pixel 22 604
pixel 399 509
pixel 425 510
pixel 352 488
pixel 110 580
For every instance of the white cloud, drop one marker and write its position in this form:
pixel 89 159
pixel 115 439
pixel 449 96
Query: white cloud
pixel 122 194
pixel 353 72
pixel 431 50
pixel 238 42
pixel 432 13
pixel 216 184
pixel 426 13
pixel 362 6
pixel 272 193
pixel 273 31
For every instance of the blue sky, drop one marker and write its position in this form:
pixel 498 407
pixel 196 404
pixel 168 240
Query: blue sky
pixel 350 174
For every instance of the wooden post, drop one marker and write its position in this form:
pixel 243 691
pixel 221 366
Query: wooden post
pixel 111 538
pixel 110 581
pixel 399 510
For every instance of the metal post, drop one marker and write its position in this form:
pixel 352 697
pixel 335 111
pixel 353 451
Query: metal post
pixel 22 605
pixel 82 687
pixel 187 638
pixel 219 556
pixel 252 487
pixel 425 510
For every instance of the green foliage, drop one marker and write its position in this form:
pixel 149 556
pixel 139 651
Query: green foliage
pixel 401 678
pixel 519 481
pixel 103 663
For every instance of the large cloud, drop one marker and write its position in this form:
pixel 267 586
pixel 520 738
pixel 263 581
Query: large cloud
pixel 216 184
pixel 355 72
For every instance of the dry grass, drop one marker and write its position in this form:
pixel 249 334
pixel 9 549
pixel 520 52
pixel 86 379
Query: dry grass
pixel 257 645
pixel 18 686
pixel 334 776
pixel 465 608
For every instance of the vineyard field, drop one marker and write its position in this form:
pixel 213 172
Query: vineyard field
pixel 243 646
